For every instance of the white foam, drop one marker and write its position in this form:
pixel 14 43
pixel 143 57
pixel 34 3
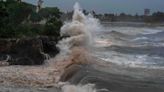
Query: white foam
pixel 79 88
pixel 130 60
pixel 134 30
pixel 140 38
pixel 80 30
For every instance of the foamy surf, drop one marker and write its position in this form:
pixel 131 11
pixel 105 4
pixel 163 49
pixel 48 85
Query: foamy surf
pixel 79 88
pixel 75 48
pixel 80 35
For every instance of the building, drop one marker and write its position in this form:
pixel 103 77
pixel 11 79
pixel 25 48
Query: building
pixel 146 12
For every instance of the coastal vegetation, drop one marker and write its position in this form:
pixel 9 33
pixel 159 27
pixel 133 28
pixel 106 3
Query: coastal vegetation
pixel 28 36
pixel 21 20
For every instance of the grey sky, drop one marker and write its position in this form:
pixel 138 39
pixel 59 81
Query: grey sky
pixel 108 6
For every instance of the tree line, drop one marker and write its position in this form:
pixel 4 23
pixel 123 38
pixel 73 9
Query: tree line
pixel 156 17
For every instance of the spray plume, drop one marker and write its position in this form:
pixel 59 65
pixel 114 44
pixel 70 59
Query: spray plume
pixel 75 47
pixel 79 30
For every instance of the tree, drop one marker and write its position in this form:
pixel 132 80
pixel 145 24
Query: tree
pixel 12 14
pixel 52 27
pixel 19 12
pixel 136 15
pixel 122 14
pixel 3 18
pixel 49 13
pixel 14 22
pixel 35 17
pixel 158 16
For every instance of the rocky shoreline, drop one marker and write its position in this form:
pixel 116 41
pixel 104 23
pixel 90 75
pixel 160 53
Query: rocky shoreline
pixel 27 51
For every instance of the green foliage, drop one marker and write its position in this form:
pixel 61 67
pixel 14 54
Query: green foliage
pixel 158 16
pixel 52 27
pixel 3 19
pixel 50 12
pixel 35 17
pixel 24 30
pixel 19 12
pixel 21 20
pixel 7 32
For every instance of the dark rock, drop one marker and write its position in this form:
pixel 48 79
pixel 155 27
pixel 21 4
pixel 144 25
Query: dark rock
pixel 49 45
pixel 27 51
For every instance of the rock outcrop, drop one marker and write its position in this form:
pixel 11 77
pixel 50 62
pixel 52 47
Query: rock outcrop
pixel 27 51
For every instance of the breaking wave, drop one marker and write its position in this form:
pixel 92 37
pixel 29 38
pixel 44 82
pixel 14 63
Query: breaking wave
pixel 86 38
pixel 76 46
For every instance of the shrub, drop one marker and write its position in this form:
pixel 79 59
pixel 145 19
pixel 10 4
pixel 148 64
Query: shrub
pixel 21 20
pixel 52 27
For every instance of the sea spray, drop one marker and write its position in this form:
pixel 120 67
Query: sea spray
pixel 80 31
pixel 80 39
